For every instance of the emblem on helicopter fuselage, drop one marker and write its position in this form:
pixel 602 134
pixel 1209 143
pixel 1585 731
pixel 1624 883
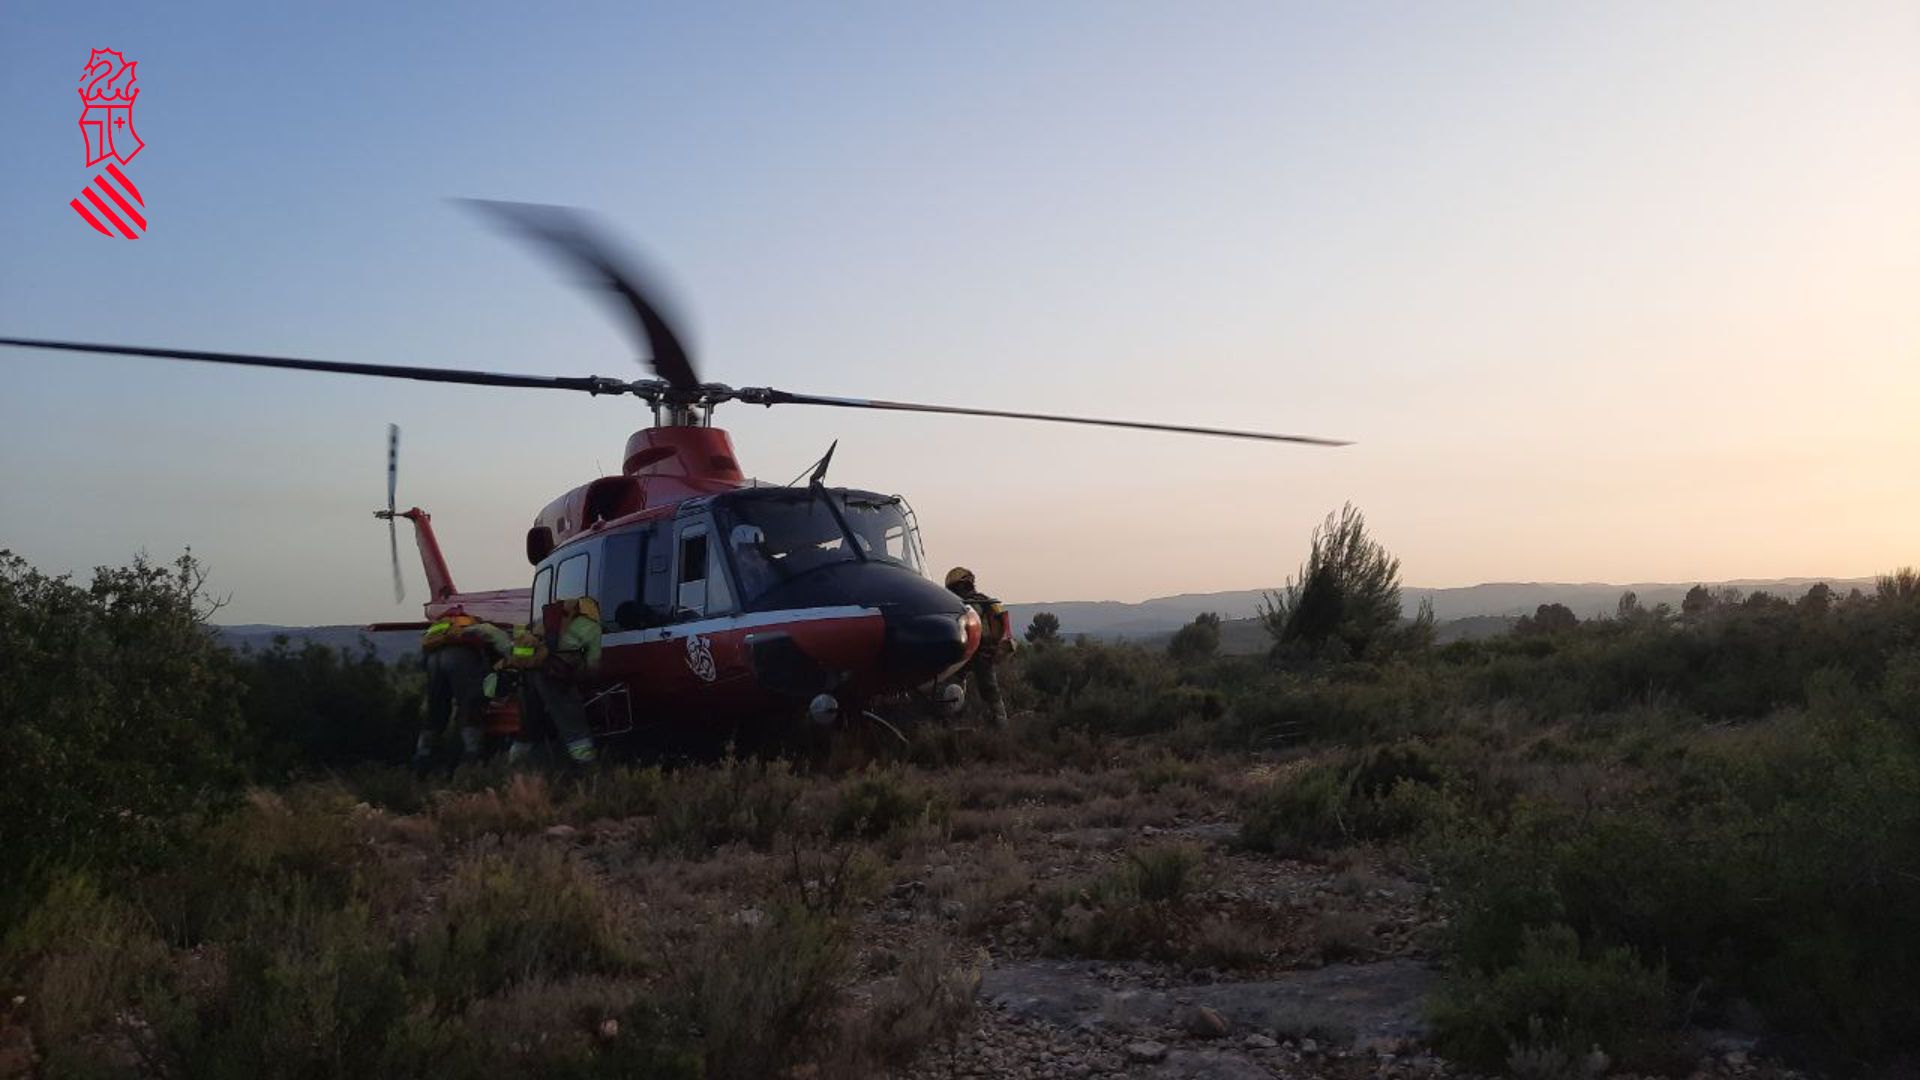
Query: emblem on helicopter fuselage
pixel 700 658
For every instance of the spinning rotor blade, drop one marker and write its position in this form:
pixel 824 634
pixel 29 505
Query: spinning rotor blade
pixel 770 396
pixel 592 384
pixel 567 233
pixel 393 535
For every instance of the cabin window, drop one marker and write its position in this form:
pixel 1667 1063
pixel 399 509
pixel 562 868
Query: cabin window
pixel 700 587
pixel 542 582
pixel 690 589
pixel 658 589
pixel 571 582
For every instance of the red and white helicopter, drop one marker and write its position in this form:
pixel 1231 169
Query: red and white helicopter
pixel 725 601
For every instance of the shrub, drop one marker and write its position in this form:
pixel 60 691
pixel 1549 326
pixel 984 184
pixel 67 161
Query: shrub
pixel 1161 875
pixel 622 791
pixel 879 801
pixel 760 991
pixel 735 801
pixel 1197 641
pixel 86 957
pixel 1342 935
pixel 1390 792
pixel 301 840
pixel 303 987
pixel 523 805
pixel 926 1004
pixel 314 706
pixel 1137 911
pixel 1299 814
pixel 529 912
pixel 119 719
pixel 1347 593
pixel 1553 996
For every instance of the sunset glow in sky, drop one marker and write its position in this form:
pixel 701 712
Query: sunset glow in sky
pixel 1603 292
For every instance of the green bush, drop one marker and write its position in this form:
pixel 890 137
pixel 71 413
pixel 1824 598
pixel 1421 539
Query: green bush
pixel 1553 997
pixel 120 719
pixel 1764 865
pixel 89 956
pixel 1299 814
pixel 621 791
pixel 760 990
pixel 528 912
pixel 312 706
pixel 1137 911
pixel 306 988
pixel 1390 792
pixel 734 801
pixel 878 801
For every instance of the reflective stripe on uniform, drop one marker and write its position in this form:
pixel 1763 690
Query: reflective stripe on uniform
pixel 581 750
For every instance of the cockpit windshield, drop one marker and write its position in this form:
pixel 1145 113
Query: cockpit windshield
pixel 777 536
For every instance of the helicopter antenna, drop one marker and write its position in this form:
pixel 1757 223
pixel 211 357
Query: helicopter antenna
pixel 795 482
pixel 820 468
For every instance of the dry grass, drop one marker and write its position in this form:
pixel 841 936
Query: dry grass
pixel 1342 935
pixel 524 805
pixel 925 1005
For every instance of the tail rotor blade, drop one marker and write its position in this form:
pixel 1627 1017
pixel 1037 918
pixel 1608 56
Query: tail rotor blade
pixel 393 463
pixel 393 532
pixel 393 550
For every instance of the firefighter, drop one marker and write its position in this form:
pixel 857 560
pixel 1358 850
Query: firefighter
pixel 553 661
pixel 457 650
pixel 996 642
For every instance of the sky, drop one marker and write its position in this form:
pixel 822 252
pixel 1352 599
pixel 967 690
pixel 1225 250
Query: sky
pixel 1602 292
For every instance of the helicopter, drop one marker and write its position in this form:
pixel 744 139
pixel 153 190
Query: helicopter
pixel 725 602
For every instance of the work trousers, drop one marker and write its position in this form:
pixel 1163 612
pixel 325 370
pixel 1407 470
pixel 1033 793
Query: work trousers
pixel 551 708
pixel 983 681
pixel 454 675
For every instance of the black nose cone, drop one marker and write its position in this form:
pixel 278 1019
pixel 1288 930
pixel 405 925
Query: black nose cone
pixel 925 645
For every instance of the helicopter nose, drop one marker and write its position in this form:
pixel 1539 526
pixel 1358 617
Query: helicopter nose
pixel 926 644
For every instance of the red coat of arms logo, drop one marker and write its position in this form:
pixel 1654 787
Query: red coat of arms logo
pixel 107 95
pixel 111 204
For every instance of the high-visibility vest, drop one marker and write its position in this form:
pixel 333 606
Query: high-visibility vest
pixel 529 651
pixel 448 629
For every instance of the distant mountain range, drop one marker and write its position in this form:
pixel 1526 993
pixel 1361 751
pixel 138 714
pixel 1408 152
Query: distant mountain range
pixel 388 645
pixel 1111 619
pixel 1471 611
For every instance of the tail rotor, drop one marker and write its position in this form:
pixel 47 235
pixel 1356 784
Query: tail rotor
pixel 393 534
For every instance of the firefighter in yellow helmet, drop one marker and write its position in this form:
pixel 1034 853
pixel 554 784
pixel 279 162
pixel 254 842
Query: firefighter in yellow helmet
pixel 457 650
pixel 554 659
pixel 996 642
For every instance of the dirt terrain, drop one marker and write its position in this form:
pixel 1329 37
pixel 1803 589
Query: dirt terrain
pixel 1003 877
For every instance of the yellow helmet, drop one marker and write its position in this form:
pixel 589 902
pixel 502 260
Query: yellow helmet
pixel 957 575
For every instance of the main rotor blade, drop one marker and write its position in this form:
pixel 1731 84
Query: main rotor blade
pixel 568 233
pixel 592 384
pixel 770 396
